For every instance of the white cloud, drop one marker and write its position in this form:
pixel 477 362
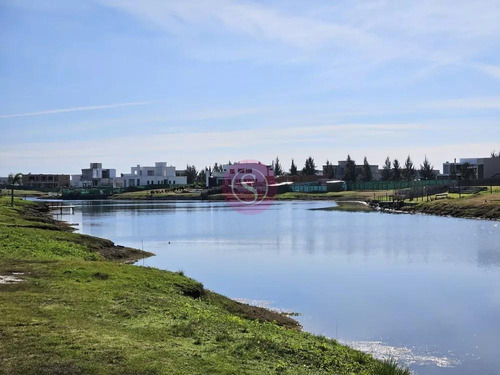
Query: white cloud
pixel 490 102
pixel 491 70
pixel 73 109
pixel 244 17
pixel 346 35
pixel 219 145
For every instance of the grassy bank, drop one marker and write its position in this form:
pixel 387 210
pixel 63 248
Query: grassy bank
pixel 481 206
pixel 77 310
pixel 159 194
pixel 23 193
pixel 163 194
pixel 364 196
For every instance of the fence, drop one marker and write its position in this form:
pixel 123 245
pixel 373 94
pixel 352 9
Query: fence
pixel 309 188
pixel 413 193
pixel 89 193
pixel 481 182
pixel 396 185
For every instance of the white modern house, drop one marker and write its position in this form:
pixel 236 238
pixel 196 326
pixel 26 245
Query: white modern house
pixel 160 174
pixel 95 176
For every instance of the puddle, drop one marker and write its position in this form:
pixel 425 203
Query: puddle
pixel 11 279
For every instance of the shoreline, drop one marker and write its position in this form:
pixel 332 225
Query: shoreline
pixel 127 255
pixel 466 208
pixel 79 308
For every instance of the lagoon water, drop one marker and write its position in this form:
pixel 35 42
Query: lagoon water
pixel 422 289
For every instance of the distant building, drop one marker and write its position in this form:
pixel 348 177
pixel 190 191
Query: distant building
pixel 338 171
pixel 435 172
pixel 231 170
pixel 47 181
pixel 94 176
pixel 160 174
pixel 474 168
pixel 4 181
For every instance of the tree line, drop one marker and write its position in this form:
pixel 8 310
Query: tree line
pixel 391 170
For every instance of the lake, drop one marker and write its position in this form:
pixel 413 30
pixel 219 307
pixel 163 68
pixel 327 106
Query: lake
pixel 422 289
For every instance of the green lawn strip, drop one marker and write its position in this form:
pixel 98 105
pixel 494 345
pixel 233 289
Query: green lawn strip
pixel 481 206
pixel 76 312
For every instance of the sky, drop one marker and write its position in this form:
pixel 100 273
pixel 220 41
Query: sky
pixel 126 82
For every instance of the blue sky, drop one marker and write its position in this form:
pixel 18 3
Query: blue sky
pixel 127 82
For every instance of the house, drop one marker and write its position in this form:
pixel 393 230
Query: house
pixel 4 181
pixel 47 181
pixel 229 171
pixel 95 176
pixel 473 168
pixel 160 174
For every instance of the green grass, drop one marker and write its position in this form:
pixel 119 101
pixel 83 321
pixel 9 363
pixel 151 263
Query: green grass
pixel 158 194
pixel 482 206
pixel 78 313
pixel 338 196
pixel 22 193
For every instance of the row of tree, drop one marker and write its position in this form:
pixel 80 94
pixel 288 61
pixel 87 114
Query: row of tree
pixel 391 171
pixel 396 172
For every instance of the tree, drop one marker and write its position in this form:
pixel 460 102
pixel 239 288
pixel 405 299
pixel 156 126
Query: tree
pixel 396 170
pixel 493 155
pixel 278 171
pixel 387 170
pixel 14 180
pixel 191 174
pixel 350 169
pixel 329 172
pixel 217 168
pixel 466 171
pixel 453 171
pixel 366 175
pixel 309 167
pixel 409 172
pixel 293 169
pixel 202 176
pixel 426 172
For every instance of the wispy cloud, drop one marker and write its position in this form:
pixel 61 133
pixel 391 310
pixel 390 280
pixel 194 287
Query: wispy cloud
pixel 73 109
pixel 491 70
pixel 342 36
pixel 491 102
pixel 244 17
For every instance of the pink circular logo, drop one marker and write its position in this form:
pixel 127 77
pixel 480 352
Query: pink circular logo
pixel 249 186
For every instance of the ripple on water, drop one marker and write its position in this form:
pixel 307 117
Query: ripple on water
pixel 404 355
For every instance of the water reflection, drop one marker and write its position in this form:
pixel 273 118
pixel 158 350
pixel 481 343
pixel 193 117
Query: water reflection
pixel 423 287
